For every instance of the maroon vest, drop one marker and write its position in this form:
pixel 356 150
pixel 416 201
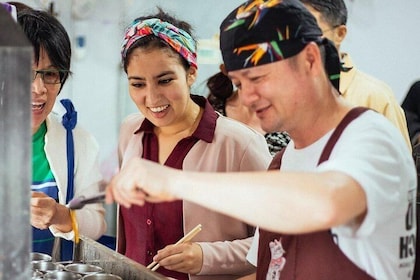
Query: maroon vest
pixel 312 256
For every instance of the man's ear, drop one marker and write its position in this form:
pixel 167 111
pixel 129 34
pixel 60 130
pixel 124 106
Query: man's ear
pixel 340 34
pixel 313 55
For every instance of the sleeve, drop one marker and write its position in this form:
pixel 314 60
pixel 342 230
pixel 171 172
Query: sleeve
pixel 127 131
pixel 257 155
pixel 375 156
pixel 382 100
pixel 226 257
pixel 396 115
pixel 91 218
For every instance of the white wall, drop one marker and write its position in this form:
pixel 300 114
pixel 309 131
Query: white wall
pixel 383 40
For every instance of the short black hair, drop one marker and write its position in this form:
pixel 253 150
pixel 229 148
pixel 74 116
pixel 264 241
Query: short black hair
pixel 333 12
pixel 221 89
pixel 44 31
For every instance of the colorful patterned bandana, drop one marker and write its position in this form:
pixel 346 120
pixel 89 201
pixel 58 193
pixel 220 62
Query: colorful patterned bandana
pixel 176 38
pixel 265 31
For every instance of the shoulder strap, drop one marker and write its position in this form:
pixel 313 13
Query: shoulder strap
pixel 69 122
pixel 276 161
pixel 348 118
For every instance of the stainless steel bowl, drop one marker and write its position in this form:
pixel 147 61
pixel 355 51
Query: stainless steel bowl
pixel 44 266
pixel 102 276
pixel 37 275
pixel 83 268
pixel 62 275
pixel 40 257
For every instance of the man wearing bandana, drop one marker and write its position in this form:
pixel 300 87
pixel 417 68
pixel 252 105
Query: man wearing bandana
pixel 342 205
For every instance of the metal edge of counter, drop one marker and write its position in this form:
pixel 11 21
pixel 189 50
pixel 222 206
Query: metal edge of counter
pixel 112 262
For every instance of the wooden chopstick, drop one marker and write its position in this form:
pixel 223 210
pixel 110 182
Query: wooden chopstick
pixel 154 265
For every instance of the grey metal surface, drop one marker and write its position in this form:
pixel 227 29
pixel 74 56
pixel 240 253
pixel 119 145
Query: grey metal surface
pixel 112 262
pixel 15 150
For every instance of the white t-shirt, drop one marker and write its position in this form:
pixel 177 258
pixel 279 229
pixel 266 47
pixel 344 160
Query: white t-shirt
pixel 373 152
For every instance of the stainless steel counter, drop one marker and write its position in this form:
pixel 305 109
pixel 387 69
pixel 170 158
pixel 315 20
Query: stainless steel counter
pixel 95 253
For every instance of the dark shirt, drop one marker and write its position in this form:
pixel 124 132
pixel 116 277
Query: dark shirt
pixel 411 106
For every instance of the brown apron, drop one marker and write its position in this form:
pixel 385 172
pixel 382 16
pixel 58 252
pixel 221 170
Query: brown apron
pixel 312 256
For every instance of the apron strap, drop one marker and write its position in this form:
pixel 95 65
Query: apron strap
pixel 69 122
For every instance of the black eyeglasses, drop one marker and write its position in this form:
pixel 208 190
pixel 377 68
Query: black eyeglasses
pixel 49 76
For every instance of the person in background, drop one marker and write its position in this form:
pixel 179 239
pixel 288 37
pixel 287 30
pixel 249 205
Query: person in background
pixel 343 204
pixel 411 106
pixel 50 217
pixel 357 87
pixel 225 100
pixel 178 129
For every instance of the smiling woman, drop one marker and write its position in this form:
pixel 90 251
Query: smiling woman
pixel 180 130
pixel 51 184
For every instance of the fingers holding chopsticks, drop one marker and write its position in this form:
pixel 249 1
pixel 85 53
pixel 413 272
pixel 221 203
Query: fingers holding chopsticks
pixel 186 258
pixel 183 256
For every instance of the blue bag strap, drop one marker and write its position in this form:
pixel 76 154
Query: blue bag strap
pixel 69 122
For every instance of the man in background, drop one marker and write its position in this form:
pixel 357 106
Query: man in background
pixel 356 86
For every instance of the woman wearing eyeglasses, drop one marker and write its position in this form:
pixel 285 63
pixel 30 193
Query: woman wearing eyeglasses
pixel 53 182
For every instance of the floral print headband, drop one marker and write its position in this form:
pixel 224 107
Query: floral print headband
pixel 178 39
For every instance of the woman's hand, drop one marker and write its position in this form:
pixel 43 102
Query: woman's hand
pixel 186 257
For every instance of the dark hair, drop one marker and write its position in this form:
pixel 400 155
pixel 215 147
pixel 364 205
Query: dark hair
pixel 220 86
pixel 221 89
pixel 153 42
pixel 333 12
pixel 44 31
